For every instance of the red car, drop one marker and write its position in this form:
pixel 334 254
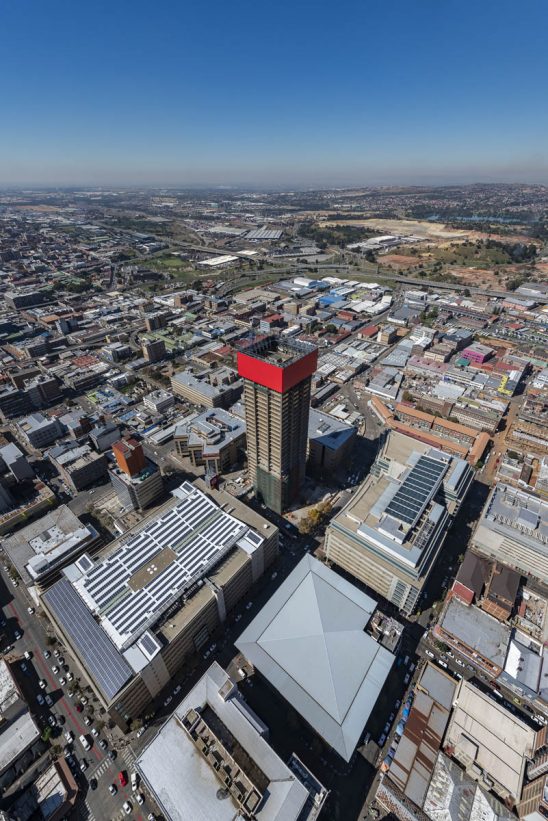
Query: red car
pixel 79 708
pixel 122 778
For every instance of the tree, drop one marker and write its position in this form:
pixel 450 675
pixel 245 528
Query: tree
pixel 407 396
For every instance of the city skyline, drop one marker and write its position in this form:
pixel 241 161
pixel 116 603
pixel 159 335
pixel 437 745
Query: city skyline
pixel 238 96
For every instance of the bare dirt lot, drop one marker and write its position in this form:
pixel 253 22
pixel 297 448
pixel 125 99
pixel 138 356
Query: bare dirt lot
pixel 417 228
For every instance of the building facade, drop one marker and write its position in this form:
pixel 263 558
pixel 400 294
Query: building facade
pixel 277 377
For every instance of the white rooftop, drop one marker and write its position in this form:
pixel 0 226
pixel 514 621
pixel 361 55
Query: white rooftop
pixel 185 784
pixel 309 642
pixel 148 571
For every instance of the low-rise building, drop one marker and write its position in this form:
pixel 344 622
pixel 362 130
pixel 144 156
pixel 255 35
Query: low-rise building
pixel 513 530
pixel 78 465
pixel 104 435
pixel 214 438
pixel 40 550
pixel 330 443
pixel 40 431
pixel 13 459
pixel 158 401
pixel 218 388
pixel 477 636
pixel 492 744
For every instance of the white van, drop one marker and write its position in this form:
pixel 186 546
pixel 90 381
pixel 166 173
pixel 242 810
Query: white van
pixel 134 781
pixel 85 743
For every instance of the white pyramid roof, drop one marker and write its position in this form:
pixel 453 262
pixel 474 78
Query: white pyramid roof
pixel 309 642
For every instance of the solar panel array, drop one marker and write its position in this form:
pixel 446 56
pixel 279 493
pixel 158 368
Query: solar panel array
pixel 198 532
pixel 103 661
pixel 417 489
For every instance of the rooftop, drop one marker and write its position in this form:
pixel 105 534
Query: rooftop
pixel 520 515
pixel 17 737
pixel 484 734
pixel 396 509
pixel 477 630
pixel 214 736
pixel 309 642
pixel 211 429
pixel 328 431
pixel 107 607
pixel 47 541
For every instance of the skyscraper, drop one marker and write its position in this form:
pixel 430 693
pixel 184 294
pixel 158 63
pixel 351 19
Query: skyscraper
pixel 277 373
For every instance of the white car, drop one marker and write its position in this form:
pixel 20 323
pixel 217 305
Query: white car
pixel 42 684
pixel 87 721
pixel 69 735
pixel 62 681
pixel 30 611
pixel 95 732
pixel 126 807
pixel 69 677
pixel 54 669
pixel 140 798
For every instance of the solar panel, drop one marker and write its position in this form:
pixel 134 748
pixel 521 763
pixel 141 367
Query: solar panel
pixel 105 664
pixel 416 490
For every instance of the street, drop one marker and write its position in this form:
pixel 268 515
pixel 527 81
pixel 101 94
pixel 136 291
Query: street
pixel 94 805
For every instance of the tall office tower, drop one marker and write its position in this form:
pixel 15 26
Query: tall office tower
pixel 277 373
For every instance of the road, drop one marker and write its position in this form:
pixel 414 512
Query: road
pixel 93 805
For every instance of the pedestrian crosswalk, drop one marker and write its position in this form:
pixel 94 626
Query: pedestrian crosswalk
pixel 129 756
pixel 101 768
pixel 90 816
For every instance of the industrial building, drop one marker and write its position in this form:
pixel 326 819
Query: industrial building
pixel 392 530
pixel 156 595
pixel 277 374
pixel 310 643
pixel 214 742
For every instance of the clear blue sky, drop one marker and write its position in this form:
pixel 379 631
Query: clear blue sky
pixel 286 93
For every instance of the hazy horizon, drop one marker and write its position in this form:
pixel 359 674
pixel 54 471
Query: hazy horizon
pixel 297 96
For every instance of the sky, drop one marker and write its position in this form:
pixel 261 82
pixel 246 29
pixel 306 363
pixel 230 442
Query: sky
pixel 288 94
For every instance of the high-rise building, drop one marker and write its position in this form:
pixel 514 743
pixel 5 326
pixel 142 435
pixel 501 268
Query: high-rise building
pixel 277 373
pixel 154 350
pixel 129 456
pixel 136 480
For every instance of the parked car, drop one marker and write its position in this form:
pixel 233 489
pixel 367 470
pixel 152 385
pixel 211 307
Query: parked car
pixel 122 778
pixel 113 789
